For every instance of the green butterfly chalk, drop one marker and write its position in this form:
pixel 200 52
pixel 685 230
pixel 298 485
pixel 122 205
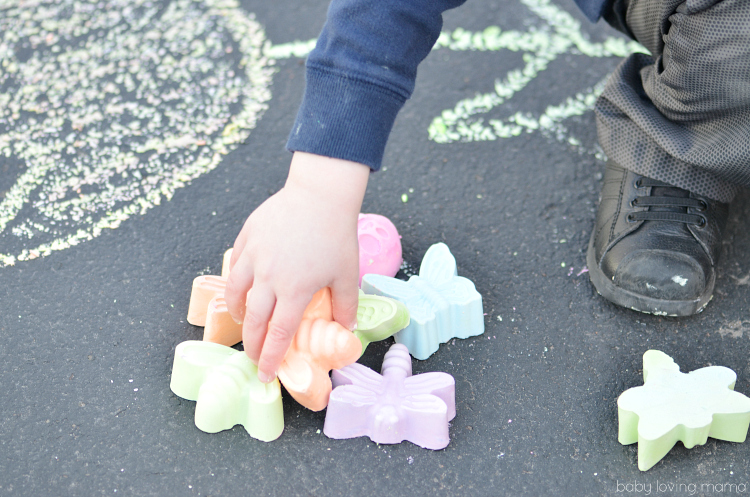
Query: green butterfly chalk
pixel 225 385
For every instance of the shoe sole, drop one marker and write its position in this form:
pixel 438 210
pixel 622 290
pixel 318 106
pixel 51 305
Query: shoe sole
pixel 641 303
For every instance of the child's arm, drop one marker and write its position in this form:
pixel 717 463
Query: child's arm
pixel 298 241
pixel 304 238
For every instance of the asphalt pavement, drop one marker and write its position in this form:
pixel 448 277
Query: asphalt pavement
pixel 135 139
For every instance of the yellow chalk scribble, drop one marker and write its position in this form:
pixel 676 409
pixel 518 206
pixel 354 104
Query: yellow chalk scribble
pixel 110 112
pixel 562 34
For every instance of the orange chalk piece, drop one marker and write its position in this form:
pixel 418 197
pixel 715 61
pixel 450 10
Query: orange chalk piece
pixel 205 288
pixel 320 306
pixel 225 263
pixel 220 327
pixel 319 346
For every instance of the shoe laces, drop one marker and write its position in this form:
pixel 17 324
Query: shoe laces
pixel 666 203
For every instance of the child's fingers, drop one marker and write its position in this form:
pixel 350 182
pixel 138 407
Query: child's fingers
pixel 345 298
pixel 239 244
pixel 239 283
pixel 260 303
pixel 287 316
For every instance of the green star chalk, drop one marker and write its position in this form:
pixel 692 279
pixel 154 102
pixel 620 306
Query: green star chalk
pixel 672 406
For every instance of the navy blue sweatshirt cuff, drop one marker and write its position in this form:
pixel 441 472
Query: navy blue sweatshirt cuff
pixel 344 117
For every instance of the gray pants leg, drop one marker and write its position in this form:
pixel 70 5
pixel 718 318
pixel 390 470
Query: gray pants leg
pixel 682 115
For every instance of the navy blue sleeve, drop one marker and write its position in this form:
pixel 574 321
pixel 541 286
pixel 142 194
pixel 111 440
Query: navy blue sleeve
pixel 594 9
pixel 361 72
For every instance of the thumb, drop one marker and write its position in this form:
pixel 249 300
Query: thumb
pixel 345 299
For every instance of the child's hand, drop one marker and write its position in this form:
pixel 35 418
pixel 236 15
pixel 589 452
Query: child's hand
pixel 298 241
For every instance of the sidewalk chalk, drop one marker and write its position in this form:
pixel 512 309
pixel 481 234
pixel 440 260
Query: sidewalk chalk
pixel 205 288
pixel 379 246
pixel 220 327
pixel 225 263
pixel 442 305
pixel 672 406
pixel 225 386
pixel 322 344
pixel 393 407
pixel 318 346
pixel 379 318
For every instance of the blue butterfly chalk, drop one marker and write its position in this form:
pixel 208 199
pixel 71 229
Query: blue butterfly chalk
pixel 442 305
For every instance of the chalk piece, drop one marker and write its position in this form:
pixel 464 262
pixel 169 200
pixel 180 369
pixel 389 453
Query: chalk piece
pixel 672 406
pixel 220 327
pixel 205 288
pixel 379 246
pixel 318 346
pixel 225 263
pixel 391 407
pixel 225 385
pixel 441 304
pixel 379 318
pixel 320 306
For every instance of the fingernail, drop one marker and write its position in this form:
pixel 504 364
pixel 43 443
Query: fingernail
pixel 265 378
pixel 353 326
pixel 239 321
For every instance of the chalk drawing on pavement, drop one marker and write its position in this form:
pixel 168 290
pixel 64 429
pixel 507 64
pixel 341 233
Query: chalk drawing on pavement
pixel 107 112
pixel 560 33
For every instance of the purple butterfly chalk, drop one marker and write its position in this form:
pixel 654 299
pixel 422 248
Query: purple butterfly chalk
pixel 391 407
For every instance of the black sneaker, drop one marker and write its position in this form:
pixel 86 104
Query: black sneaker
pixel 655 246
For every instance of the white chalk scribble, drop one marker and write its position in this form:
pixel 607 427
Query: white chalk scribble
pixel 106 112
